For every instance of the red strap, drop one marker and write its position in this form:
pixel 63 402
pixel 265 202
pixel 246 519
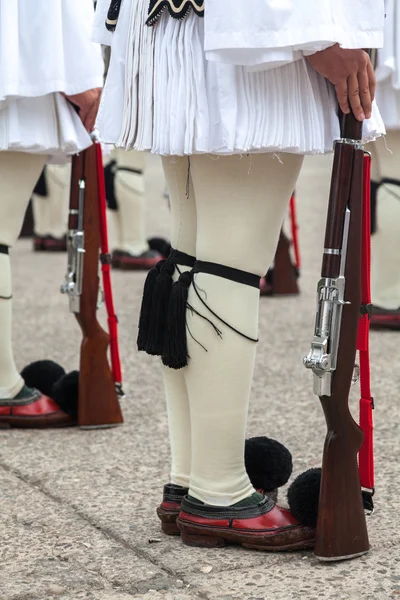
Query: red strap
pixel 366 455
pixel 105 268
pixel 295 229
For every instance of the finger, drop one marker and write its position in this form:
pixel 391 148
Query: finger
pixel 90 119
pixel 342 96
pixel 365 93
pixel 83 114
pixel 354 97
pixel 372 80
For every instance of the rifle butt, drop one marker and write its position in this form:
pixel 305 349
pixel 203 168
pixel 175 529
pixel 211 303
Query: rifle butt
pixel 341 528
pixel 98 400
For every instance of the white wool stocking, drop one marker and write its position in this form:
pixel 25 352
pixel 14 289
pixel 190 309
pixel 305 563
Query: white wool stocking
pixel 129 190
pixel 385 251
pixel 18 175
pixel 51 212
pixel 240 204
pixel 183 238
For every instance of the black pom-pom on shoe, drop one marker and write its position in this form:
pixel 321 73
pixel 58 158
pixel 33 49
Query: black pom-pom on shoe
pixel 42 375
pixel 303 497
pixel 65 393
pixel 268 463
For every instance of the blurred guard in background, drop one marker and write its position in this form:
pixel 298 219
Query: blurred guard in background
pixel 50 72
pixel 385 188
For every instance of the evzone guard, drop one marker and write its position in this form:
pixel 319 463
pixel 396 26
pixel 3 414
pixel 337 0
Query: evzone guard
pixel 385 186
pixel 48 104
pixel 217 101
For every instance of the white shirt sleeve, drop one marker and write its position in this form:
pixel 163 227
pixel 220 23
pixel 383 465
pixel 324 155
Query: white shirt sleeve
pixel 270 33
pixel 46 47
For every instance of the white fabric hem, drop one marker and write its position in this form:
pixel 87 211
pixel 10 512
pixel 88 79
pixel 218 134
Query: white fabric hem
pixel 58 85
pixel 255 47
pixel 46 125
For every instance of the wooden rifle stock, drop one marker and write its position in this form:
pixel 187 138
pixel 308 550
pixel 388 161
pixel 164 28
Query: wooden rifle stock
pixel 284 274
pixel 341 526
pixel 98 401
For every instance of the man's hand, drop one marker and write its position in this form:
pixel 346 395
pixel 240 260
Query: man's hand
pixel 352 74
pixel 88 105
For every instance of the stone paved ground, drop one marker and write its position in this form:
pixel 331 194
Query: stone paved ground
pixel 77 508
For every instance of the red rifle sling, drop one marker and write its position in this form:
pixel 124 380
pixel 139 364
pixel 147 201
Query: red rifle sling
pixel 366 455
pixel 106 272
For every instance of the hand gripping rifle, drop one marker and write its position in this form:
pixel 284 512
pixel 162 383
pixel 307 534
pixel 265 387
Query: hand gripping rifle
pixel 99 387
pixel 342 325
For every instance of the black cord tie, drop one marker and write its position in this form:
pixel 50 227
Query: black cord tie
pixel 227 273
pixel 181 258
pixel 236 275
pixel 175 353
pixel 156 295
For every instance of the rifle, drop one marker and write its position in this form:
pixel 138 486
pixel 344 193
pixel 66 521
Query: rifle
pixel 282 278
pixel 341 526
pixel 98 404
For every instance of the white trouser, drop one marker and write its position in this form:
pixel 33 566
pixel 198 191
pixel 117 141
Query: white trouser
pixel 18 175
pixel 232 215
pixel 385 269
pixel 128 223
pixel 51 212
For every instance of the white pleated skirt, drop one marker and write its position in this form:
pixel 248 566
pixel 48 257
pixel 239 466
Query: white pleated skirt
pixel 163 96
pixel 41 125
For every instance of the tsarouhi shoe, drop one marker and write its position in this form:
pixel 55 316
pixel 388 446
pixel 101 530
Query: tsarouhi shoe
pixel 263 526
pixel 169 509
pixel 49 243
pixel 382 318
pixel 32 409
pixel 130 262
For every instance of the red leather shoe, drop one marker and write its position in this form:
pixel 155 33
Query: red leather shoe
pixel 33 411
pixel 52 244
pixel 49 244
pixel 265 287
pixel 116 259
pixel 144 262
pixel 38 243
pixel 263 526
pixel 382 318
pixel 169 509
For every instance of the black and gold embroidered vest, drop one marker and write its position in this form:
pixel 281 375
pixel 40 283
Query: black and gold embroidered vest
pixel 178 9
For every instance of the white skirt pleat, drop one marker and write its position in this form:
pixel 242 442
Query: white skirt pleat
pixel 175 102
pixel 43 125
